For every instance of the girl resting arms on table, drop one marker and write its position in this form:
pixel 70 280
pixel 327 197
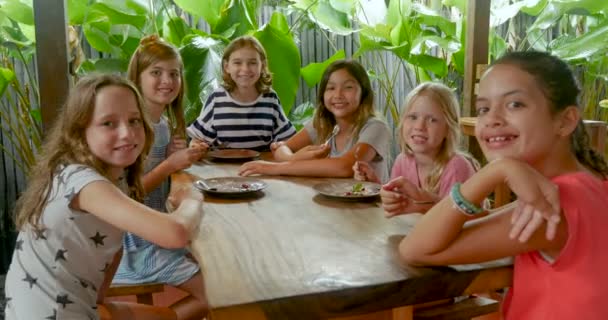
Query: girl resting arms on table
pixel 82 195
pixel 344 127
pixel 529 127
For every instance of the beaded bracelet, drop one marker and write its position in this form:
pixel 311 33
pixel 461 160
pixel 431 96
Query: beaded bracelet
pixel 462 204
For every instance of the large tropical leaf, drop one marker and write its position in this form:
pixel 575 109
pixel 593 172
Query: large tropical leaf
pixel 176 30
pixel 329 18
pixel 118 13
pixel 211 10
pixel 313 72
pixel 582 47
pixel 203 60
pixel 240 13
pixel 18 11
pixel 283 58
pixel 557 8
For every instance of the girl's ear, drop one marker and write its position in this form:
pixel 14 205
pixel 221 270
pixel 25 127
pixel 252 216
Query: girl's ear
pixel 569 119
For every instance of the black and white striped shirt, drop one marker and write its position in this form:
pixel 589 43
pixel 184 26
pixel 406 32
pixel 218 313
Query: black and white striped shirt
pixel 233 124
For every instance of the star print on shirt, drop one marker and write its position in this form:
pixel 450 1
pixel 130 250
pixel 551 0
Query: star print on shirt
pixel 83 283
pixel 19 245
pixel 63 300
pixel 105 268
pixel 29 279
pixel 70 194
pixel 98 239
pixel 53 316
pixel 60 255
pixel 39 233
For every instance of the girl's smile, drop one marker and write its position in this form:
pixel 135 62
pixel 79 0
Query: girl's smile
pixel 245 67
pixel 424 126
pixel 160 84
pixel 514 120
pixel 115 133
pixel 342 95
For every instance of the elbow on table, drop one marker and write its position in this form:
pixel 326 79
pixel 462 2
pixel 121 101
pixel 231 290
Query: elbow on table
pixel 413 257
pixel 177 236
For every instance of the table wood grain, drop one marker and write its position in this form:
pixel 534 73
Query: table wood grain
pixel 290 253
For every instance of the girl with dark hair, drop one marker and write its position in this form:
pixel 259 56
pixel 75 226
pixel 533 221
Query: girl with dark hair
pixel 529 127
pixel 344 127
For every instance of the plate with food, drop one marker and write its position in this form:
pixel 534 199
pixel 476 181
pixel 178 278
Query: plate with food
pixel 232 154
pixel 230 186
pixel 349 190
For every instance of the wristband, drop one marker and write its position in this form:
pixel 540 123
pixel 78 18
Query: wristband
pixel 462 204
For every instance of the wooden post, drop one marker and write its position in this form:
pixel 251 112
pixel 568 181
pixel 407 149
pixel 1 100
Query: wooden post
pixel 51 57
pixel 478 31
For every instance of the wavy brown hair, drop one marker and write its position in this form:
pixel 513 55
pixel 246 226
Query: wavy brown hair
pixel 66 144
pixel 560 88
pixel 151 50
pixel 264 83
pixel 323 120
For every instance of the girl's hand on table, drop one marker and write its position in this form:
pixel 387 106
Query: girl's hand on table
pixel 259 167
pixel 364 172
pixel 398 197
pixel 199 144
pixel 184 158
pixel 177 143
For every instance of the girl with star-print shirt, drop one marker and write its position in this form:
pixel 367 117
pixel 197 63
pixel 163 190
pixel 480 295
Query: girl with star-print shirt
pixel 80 199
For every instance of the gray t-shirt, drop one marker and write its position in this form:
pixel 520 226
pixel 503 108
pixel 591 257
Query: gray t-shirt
pixel 375 133
pixel 56 272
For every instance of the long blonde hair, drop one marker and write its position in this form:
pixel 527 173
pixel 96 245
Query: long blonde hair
pixel 323 120
pixel 264 83
pixel 66 144
pixel 446 100
pixel 151 50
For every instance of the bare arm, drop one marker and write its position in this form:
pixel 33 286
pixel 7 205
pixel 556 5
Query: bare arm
pixel 441 236
pixel 284 150
pixel 341 167
pixel 108 203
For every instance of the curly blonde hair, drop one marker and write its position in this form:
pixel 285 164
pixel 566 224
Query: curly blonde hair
pixel 151 50
pixel 66 144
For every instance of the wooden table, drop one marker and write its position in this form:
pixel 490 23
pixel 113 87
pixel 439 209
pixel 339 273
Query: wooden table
pixel 293 254
pixel 502 194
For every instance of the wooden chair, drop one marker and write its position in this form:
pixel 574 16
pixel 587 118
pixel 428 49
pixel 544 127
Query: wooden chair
pixel 167 301
pixel 465 309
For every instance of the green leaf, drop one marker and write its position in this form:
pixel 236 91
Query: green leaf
pixel 423 43
pixel 77 9
pixel 371 12
pixel 534 7
pixel 211 11
pixel 584 46
pixel 105 65
pixel 202 68
pixel 557 8
pixel 345 6
pixel 6 77
pixel 240 13
pixel 328 18
pixel 397 10
pixel 430 22
pixel 18 11
pixel 301 114
pixel 604 103
pixel 97 35
pixel 283 59
pixel 313 72
pixel 177 30
pixel 119 14
pixel 429 63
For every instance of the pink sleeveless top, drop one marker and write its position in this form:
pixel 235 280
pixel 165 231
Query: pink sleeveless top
pixel 575 285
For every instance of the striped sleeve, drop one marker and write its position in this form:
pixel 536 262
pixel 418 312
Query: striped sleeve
pixel 202 128
pixel 283 129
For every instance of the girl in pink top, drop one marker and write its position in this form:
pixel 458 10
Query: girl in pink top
pixel 529 127
pixel 430 161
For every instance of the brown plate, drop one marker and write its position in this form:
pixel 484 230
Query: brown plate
pixel 345 189
pixel 230 186
pixel 232 154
